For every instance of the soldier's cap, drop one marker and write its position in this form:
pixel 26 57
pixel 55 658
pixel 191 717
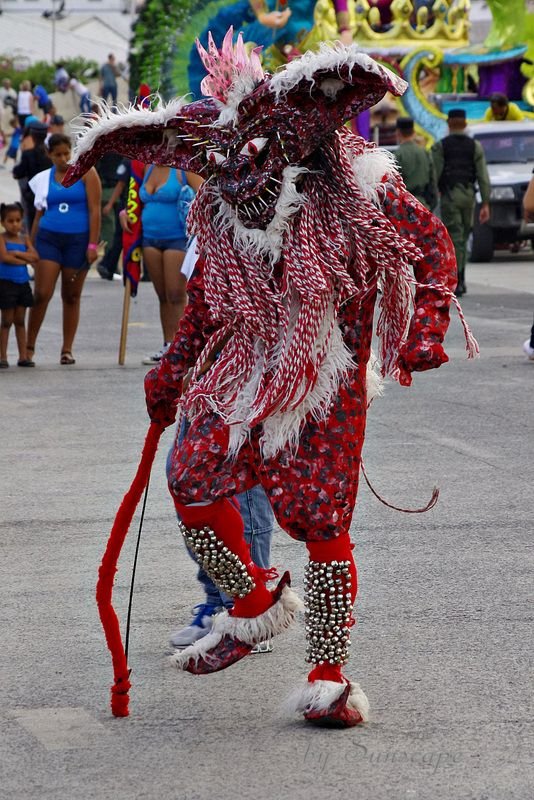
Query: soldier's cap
pixel 405 124
pixel 456 113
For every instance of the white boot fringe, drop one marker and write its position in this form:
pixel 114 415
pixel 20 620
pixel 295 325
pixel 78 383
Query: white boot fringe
pixel 251 630
pixel 319 695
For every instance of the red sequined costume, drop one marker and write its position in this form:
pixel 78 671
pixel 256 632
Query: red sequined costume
pixel 301 226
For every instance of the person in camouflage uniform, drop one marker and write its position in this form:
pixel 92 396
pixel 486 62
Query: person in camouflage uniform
pixel 416 165
pixel 460 165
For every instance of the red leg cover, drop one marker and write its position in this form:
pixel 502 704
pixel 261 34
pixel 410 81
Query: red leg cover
pixel 227 524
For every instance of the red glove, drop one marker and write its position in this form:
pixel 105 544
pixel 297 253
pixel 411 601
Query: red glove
pixel 426 352
pixel 161 409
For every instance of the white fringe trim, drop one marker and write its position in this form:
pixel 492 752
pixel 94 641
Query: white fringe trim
pixel 319 695
pixel 251 630
pixel 329 58
pixel 370 168
pixel 283 429
pixel 374 380
pixel 88 129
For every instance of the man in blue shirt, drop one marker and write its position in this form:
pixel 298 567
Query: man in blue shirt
pixel 108 79
pixel 43 100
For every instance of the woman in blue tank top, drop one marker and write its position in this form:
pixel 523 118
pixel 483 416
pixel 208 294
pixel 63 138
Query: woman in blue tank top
pixel 66 232
pixel 165 243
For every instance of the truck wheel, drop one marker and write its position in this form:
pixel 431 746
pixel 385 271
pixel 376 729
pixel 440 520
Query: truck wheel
pixel 481 244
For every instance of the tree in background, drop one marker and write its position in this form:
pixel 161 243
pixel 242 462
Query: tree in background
pixel 155 31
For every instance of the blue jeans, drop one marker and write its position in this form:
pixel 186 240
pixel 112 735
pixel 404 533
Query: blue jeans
pixel 258 519
pixel 85 103
pixel 110 91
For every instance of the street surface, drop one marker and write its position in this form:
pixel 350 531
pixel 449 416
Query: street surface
pixel 443 644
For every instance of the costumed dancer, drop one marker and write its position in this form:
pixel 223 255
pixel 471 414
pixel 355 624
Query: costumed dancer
pixel 299 223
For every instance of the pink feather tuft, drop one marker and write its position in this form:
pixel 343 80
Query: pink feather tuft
pixel 224 66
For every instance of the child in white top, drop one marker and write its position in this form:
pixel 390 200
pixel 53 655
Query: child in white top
pixel 83 93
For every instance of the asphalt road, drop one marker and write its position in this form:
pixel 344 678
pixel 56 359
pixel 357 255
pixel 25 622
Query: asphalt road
pixel 444 637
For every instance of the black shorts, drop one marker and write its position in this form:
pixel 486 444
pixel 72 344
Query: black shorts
pixel 13 295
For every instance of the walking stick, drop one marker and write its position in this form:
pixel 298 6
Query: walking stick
pixel 106 573
pixel 125 317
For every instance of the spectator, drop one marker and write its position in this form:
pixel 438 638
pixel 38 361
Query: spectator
pixel 66 232
pixel 501 109
pixel 16 251
pixel 107 172
pixel 460 164
pixel 25 102
pixel 258 521
pixel 61 78
pixel 41 97
pixel 14 142
pixel 56 125
pixel 8 95
pixel 528 213
pixel 416 165
pixel 83 94
pixel 164 244
pixel 116 202
pixel 34 159
pixel 108 79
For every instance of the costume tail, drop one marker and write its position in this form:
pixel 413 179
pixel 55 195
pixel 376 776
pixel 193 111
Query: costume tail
pixel 106 573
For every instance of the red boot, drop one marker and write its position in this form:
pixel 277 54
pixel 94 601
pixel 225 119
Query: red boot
pixel 333 705
pixel 233 637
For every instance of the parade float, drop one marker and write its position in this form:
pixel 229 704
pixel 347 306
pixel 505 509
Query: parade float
pixel 427 42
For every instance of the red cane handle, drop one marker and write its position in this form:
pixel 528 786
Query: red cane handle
pixel 108 568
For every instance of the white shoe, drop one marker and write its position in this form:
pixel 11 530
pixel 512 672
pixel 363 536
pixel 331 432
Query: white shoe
pixel 528 349
pixel 200 626
pixel 156 358
pixel 262 647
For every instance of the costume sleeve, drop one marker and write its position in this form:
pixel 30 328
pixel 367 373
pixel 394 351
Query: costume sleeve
pixel 481 169
pixel 163 384
pixel 436 275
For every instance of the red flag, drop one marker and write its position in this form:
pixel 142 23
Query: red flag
pixel 132 239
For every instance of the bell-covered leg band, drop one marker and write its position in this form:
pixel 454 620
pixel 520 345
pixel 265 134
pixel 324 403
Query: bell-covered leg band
pixel 330 582
pixel 214 533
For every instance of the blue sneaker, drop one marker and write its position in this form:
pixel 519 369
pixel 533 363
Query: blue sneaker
pixel 199 627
